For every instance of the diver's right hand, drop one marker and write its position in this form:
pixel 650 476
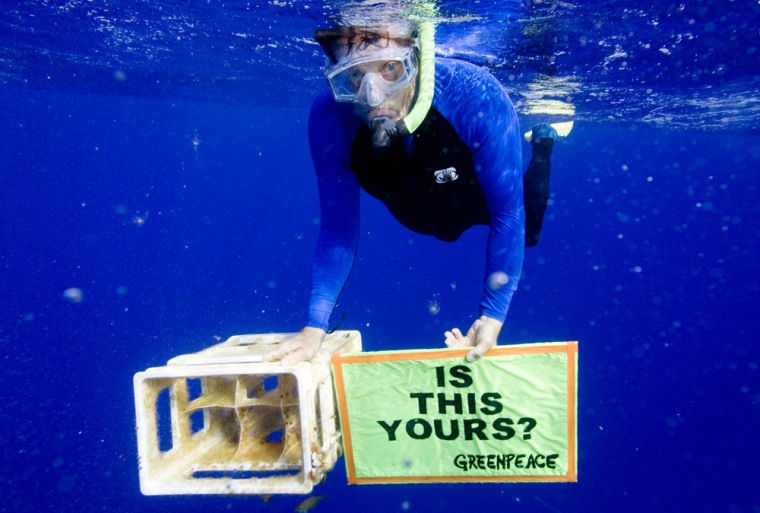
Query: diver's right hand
pixel 298 348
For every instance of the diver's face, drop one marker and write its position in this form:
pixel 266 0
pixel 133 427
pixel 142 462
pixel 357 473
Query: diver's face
pixel 373 106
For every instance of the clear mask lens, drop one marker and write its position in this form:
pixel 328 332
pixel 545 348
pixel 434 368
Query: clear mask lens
pixel 373 78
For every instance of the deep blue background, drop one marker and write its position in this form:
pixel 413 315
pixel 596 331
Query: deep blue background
pixel 648 258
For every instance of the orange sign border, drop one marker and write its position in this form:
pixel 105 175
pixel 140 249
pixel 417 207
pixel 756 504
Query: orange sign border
pixel 569 347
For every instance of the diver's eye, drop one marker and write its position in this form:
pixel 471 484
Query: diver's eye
pixel 392 71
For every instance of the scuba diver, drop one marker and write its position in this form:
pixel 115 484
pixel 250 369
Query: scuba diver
pixel 437 141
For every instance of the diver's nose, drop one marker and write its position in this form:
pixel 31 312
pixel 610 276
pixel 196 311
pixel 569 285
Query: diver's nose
pixel 373 93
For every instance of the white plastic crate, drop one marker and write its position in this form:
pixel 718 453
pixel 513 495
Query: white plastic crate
pixel 221 421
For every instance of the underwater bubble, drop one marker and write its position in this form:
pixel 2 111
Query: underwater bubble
pixel 434 307
pixel 73 295
pixel 497 280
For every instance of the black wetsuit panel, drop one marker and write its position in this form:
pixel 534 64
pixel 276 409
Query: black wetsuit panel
pixel 431 187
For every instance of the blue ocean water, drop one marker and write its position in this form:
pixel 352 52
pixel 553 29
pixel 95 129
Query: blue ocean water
pixel 154 156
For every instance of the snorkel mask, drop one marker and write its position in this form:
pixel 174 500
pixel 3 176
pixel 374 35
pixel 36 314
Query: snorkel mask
pixel 384 74
pixel 373 78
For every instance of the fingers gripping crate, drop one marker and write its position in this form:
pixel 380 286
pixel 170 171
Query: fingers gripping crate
pixel 222 421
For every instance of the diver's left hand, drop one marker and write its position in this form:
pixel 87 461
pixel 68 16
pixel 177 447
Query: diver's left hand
pixel 481 336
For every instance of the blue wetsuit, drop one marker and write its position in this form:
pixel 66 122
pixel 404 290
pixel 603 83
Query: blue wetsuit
pixel 462 167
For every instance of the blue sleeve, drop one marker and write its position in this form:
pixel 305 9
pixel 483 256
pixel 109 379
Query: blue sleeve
pixel 479 109
pixel 332 128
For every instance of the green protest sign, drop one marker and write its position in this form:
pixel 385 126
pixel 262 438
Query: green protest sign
pixel 430 416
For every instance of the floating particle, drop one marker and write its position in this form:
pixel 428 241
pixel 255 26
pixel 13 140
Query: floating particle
pixel 434 307
pixel 73 295
pixel 309 503
pixel 140 219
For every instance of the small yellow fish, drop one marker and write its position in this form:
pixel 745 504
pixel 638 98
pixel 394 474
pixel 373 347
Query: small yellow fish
pixel 309 503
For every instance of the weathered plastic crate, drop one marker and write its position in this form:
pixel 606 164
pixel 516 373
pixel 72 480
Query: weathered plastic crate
pixel 221 421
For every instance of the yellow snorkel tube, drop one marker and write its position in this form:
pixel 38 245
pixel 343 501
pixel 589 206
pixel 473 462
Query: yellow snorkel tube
pixel 427 81
pixel 384 132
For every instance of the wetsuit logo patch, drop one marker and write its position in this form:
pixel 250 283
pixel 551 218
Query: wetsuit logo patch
pixel 446 175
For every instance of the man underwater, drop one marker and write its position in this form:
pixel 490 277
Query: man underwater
pixel 462 166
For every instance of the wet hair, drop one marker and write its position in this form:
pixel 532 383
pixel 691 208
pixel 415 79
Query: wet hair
pixel 359 38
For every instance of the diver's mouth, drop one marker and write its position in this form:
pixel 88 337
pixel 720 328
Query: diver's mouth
pixel 381 113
